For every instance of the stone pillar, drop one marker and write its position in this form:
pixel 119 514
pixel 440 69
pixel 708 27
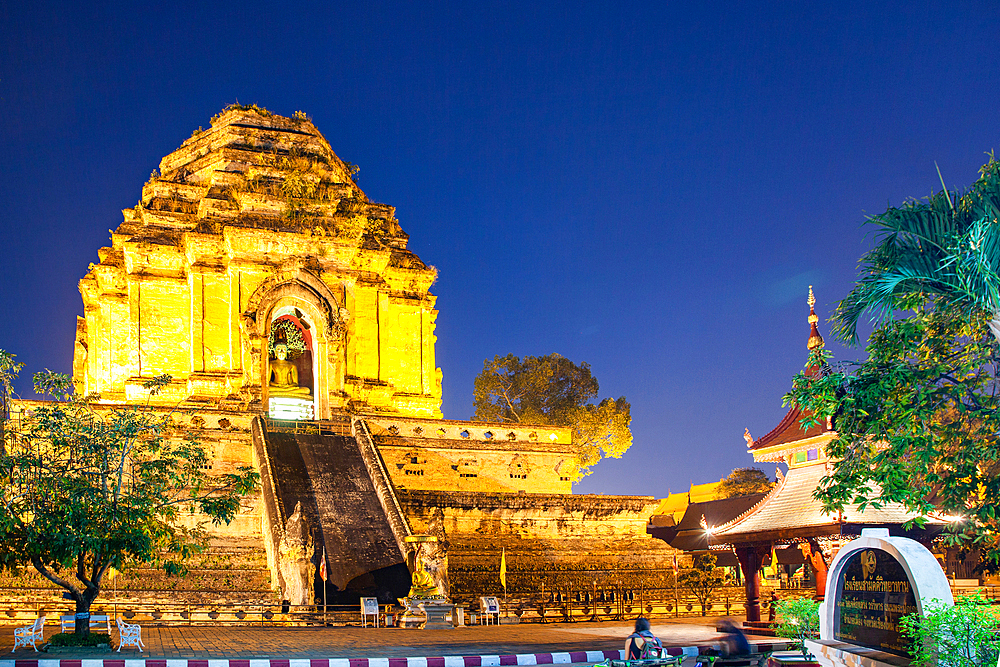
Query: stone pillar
pixel 751 557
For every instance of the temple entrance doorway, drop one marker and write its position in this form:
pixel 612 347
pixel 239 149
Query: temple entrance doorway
pixel 291 373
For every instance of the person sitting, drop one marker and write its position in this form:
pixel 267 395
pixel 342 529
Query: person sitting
pixel 642 644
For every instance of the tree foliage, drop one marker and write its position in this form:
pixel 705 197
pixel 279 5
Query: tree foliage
pixel 946 246
pixel 554 391
pixel 85 489
pixel 917 422
pixel 743 482
pixel 703 579
pixel 963 635
pixel 798 620
pixel 8 371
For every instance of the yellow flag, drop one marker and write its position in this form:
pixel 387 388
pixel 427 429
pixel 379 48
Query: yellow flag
pixel 772 569
pixel 503 568
pixel 110 574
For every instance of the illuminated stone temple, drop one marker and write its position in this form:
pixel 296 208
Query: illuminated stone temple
pixel 298 330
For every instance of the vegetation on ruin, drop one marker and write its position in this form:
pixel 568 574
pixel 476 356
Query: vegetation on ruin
pixel 963 635
pixel 286 187
pixel 8 371
pixel 554 391
pixel 798 620
pixel 918 420
pixel 703 578
pixel 86 490
pixel 743 482
pixel 259 110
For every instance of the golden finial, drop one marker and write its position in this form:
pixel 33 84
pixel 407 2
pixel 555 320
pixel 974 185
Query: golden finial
pixel 815 339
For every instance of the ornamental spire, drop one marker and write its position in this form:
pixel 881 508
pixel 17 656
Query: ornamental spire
pixel 815 339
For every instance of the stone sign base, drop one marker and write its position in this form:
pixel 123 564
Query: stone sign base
pixel 412 618
pixel 428 615
pixel 831 653
pixel 439 615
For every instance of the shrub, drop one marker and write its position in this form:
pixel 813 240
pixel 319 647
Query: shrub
pixel 963 635
pixel 799 620
pixel 72 639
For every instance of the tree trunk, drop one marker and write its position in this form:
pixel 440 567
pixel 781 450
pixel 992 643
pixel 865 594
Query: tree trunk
pixel 83 612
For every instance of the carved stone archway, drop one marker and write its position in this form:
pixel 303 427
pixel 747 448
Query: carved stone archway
pixel 307 292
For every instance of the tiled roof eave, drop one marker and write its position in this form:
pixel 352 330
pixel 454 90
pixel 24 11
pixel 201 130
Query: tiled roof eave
pixel 760 503
pixel 788 426
pixel 779 453
pixel 790 511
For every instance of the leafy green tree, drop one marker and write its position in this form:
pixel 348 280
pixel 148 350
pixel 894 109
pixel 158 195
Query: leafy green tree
pixel 946 246
pixel 916 422
pixel 743 482
pixel 554 391
pixel 798 620
pixel 84 489
pixel 703 579
pixel 963 635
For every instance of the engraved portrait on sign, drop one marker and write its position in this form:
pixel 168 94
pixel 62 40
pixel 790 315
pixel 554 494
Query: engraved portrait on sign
pixel 873 592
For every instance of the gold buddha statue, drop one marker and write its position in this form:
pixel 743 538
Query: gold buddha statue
pixel 423 585
pixel 284 379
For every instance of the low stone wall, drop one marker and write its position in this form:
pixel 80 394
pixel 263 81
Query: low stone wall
pixel 552 543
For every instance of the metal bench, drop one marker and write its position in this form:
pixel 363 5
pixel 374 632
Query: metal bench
pixel 129 634
pixel 29 634
pixel 67 623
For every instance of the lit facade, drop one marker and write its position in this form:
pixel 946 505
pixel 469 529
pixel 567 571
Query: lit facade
pixel 251 234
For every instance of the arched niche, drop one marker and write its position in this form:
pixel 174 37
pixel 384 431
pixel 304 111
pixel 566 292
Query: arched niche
pixel 307 298
pixel 291 360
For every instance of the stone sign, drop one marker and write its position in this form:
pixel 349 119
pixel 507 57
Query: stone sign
pixel 873 592
pixel 873 582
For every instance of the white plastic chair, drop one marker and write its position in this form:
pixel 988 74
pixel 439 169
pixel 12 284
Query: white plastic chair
pixel 29 634
pixel 129 634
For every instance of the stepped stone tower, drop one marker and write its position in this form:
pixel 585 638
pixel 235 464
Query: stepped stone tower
pixel 298 331
pixel 253 235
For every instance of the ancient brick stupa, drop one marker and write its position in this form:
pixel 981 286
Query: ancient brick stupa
pixel 252 235
pixel 298 330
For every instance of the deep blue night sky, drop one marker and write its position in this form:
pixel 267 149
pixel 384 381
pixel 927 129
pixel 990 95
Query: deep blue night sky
pixel 647 187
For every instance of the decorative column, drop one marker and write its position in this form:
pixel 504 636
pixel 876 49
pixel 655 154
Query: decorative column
pixel 751 557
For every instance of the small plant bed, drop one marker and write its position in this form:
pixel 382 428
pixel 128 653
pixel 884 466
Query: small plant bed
pixel 69 640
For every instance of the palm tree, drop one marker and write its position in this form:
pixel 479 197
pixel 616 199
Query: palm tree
pixel 946 246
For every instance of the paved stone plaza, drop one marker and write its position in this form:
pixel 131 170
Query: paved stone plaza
pixel 356 642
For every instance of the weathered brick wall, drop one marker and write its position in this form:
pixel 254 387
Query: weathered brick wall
pixel 552 541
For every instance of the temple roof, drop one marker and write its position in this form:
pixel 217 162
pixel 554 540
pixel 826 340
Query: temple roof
pixel 789 430
pixel 689 534
pixel 791 511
